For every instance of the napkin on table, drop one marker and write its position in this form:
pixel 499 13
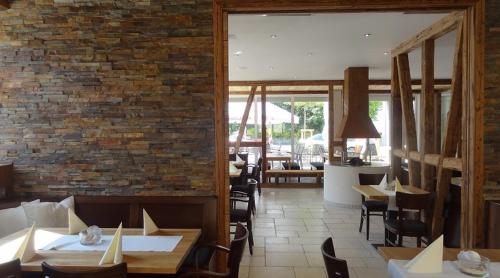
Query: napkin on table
pixel 75 224
pixel 149 225
pixel 27 249
pixel 114 252
pixel 430 260
pixel 398 187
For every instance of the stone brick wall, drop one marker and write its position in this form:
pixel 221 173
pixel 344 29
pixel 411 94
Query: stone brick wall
pixel 492 96
pixel 108 96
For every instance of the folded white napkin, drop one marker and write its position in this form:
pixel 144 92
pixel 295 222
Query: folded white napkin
pixel 430 260
pixel 27 249
pixel 75 224
pixel 398 187
pixel 114 252
pixel 149 225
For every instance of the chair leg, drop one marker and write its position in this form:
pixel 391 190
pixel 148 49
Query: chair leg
pixel 419 242
pixel 258 187
pixel 400 241
pixel 367 225
pixel 250 236
pixel 386 238
pixel 361 221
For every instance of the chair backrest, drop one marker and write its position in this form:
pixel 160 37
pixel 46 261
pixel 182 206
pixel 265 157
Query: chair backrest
pixel 370 179
pixel 232 157
pixel 11 269
pixel 116 271
pixel 236 250
pixel 336 268
pixel 413 201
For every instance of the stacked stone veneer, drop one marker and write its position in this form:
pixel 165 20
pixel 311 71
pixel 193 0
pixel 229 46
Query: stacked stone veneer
pixel 492 99
pixel 108 96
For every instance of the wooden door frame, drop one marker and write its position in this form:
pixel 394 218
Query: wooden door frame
pixel 473 162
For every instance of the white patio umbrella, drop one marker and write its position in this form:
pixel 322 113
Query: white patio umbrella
pixel 274 114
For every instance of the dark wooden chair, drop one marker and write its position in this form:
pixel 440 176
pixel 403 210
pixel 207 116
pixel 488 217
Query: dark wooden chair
pixel 246 190
pixel 403 225
pixel 255 173
pixel 336 268
pixel 240 211
pixel 116 271
pixel 235 252
pixel 11 269
pixel 370 207
pixel 242 179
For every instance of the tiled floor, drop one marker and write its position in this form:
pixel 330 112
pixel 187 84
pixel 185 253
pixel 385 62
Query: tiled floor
pixel 290 225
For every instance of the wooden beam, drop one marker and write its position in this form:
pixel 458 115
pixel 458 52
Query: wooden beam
pixel 400 153
pixel 397 127
pixel 331 127
pixel 452 136
pixel 452 163
pixel 415 156
pixel 335 82
pixel 260 6
pixel 283 92
pixel 427 114
pixel 264 133
pixel 436 30
pixel 4 4
pixel 244 119
pixel 408 116
pixel 432 159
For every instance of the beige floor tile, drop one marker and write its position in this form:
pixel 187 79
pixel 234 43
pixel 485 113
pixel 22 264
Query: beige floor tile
pixel 309 272
pixel 266 225
pixel 274 248
pixel 370 272
pixel 296 228
pixel 290 222
pixel 315 259
pixel 287 234
pixel 276 240
pixel 312 248
pixel 274 272
pixel 352 253
pixel 286 259
pixel 317 228
pixel 244 272
pixel 253 261
pixel 264 232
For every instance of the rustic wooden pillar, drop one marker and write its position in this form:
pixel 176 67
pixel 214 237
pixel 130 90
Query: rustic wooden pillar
pixel 397 127
pixel 264 133
pixel 331 127
pixel 427 114
pixel 408 116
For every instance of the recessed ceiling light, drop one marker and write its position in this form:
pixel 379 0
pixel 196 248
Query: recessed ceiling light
pixel 263 15
pixel 274 36
pixel 386 53
pixel 238 53
pixel 367 35
pixel 309 54
pixel 271 68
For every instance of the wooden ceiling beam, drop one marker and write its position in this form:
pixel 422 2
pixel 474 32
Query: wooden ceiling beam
pixel 336 82
pixel 436 30
pixel 4 4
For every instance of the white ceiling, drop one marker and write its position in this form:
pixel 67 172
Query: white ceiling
pixel 321 46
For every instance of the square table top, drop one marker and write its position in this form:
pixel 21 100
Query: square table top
pixel 137 262
pixel 278 156
pixel 373 192
pixel 449 254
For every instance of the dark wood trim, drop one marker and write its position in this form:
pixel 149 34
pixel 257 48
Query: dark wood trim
pixel 264 132
pixel 4 4
pixel 337 82
pixel 266 6
pixel 397 122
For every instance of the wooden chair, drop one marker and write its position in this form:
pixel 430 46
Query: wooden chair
pixel 246 190
pixel 235 254
pixel 336 268
pixel 255 174
pixel 116 271
pixel 11 269
pixel 370 207
pixel 404 226
pixel 240 211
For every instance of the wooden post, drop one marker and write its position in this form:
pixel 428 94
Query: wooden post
pixel 452 136
pixel 244 119
pixel 397 128
pixel 427 114
pixel 331 127
pixel 264 133
pixel 408 116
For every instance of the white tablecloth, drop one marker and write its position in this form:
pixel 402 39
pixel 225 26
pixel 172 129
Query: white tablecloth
pixel 129 243
pixel 396 269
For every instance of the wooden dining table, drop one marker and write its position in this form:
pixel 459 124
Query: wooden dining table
pixel 271 157
pixel 234 171
pixel 449 254
pixel 374 191
pixel 137 262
